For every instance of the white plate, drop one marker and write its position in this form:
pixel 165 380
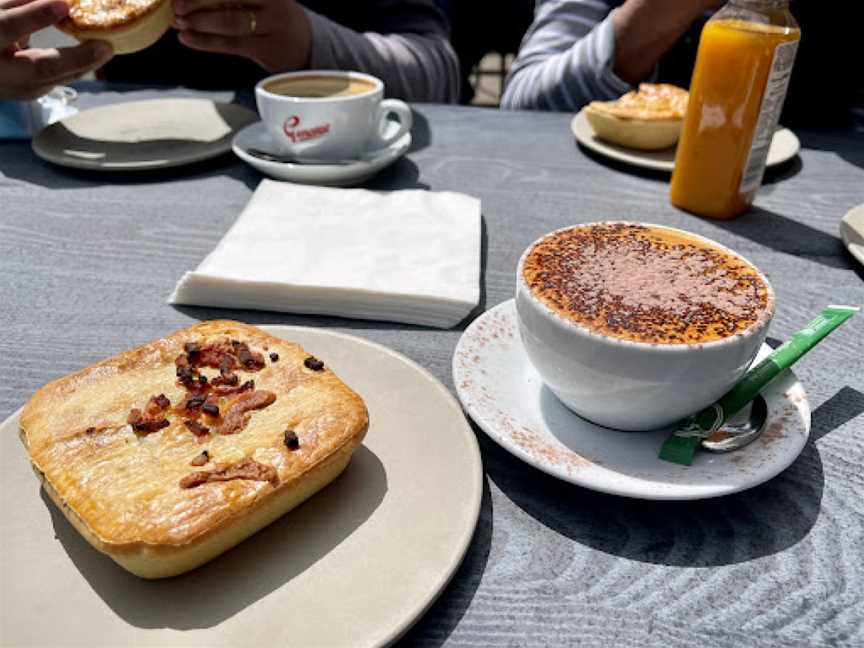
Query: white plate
pixel 784 146
pixel 356 565
pixel 505 396
pixel 852 232
pixel 328 175
pixel 142 135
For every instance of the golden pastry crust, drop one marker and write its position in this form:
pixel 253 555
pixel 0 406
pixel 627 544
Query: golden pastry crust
pixel 106 14
pixel 129 25
pixel 651 101
pixel 647 119
pixel 122 488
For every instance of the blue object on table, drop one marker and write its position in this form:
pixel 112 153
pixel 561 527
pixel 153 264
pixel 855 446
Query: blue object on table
pixel 15 121
pixel 23 119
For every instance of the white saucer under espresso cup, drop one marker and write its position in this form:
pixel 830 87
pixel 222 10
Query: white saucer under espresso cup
pixel 329 114
pixel 629 385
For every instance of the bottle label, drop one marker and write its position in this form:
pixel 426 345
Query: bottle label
pixel 769 115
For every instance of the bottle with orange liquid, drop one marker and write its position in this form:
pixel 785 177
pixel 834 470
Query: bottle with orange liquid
pixel 742 71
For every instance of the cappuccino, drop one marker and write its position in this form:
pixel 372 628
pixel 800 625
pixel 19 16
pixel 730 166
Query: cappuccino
pixel 646 284
pixel 319 87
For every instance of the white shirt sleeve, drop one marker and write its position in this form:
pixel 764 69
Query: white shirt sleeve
pixel 566 58
pixel 414 65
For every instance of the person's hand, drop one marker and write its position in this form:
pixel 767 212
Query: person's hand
pixel 273 33
pixel 646 29
pixel 27 73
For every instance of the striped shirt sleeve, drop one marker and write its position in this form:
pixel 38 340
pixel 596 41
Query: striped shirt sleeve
pixel 566 58
pixel 417 64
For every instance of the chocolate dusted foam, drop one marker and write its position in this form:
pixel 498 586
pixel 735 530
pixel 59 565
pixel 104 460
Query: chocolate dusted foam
pixel 646 284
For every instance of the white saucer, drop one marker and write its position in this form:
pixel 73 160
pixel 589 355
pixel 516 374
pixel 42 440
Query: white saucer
pixel 852 232
pixel 784 146
pixel 505 396
pixel 329 175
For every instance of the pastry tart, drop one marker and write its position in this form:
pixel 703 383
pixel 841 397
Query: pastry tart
pixel 648 118
pixel 129 25
pixel 167 455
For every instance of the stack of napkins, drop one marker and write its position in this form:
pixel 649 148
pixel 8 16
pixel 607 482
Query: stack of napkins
pixel 406 256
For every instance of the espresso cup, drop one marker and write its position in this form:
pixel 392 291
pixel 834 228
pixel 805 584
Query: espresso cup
pixel 329 114
pixel 626 384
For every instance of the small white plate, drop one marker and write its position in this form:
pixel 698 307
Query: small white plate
pixel 505 396
pixel 143 135
pixel 356 565
pixel 784 146
pixel 852 232
pixel 329 175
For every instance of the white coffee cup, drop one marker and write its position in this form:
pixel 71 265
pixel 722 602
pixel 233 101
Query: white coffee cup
pixel 348 117
pixel 630 385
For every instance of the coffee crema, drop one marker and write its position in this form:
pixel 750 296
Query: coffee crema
pixel 319 87
pixel 646 284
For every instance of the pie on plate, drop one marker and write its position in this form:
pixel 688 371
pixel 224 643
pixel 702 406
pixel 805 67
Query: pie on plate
pixel 649 118
pixel 167 455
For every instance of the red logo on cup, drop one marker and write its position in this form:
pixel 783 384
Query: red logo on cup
pixel 303 134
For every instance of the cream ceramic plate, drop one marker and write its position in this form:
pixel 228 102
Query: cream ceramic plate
pixel 505 396
pixel 328 175
pixel 141 135
pixel 852 232
pixel 355 565
pixel 784 146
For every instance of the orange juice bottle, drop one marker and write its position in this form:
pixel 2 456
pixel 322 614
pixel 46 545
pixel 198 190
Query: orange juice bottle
pixel 742 71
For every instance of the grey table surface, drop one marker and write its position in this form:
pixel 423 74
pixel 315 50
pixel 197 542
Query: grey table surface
pixel 87 262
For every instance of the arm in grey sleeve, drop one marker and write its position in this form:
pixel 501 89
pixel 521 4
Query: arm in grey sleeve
pixel 416 65
pixel 566 58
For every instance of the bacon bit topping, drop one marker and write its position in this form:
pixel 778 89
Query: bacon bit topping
pixel 226 390
pixel 161 401
pixel 246 469
pixel 291 440
pixel 194 402
pixel 203 394
pixel 313 363
pixel 274 357
pixel 193 351
pixel 226 365
pixel 186 375
pixel 144 424
pixel 201 459
pixel 250 360
pixel 212 355
pixel 230 379
pixel 196 428
pixel 211 406
pixel 223 355
pixel 236 416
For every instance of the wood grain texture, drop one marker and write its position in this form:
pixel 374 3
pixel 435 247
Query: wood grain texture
pixel 88 261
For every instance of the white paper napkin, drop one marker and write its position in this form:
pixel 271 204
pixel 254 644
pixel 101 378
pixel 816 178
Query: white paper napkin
pixel 406 256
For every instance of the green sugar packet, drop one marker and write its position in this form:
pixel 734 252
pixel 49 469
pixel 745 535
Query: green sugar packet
pixel 681 445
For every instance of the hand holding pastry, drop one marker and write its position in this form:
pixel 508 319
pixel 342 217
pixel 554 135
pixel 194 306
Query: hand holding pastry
pixel 27 73
pixel 273 33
